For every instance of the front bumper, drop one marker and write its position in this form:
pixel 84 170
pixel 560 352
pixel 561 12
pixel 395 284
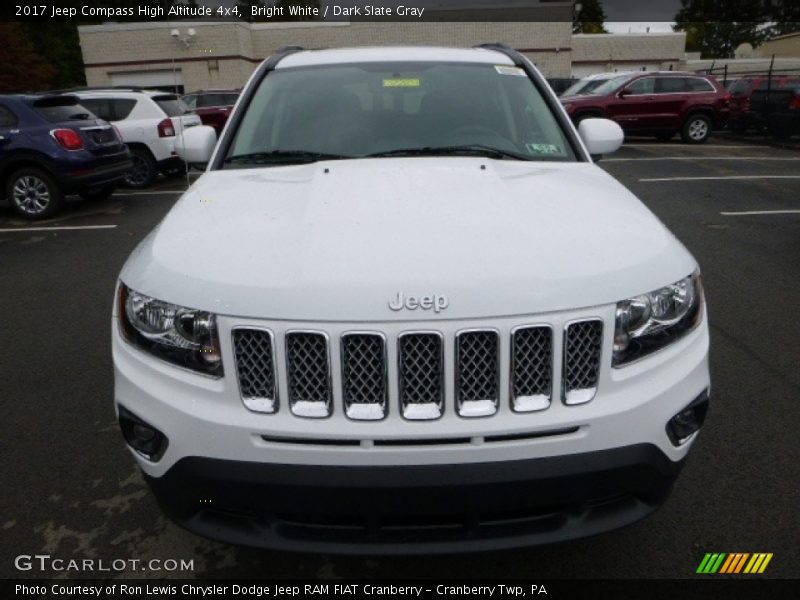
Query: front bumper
pixel 339 485
pixel 415 509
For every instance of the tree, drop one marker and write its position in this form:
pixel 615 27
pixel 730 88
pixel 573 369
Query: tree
pixel 715 28
pixel 57 42
pixel 21 68
pixel 590 17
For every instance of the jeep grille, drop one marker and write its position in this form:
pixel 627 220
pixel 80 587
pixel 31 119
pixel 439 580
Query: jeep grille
pixel 374 371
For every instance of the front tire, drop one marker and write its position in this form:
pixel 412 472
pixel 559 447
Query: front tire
pixel 696 129
pixel 33 193
pixel 144 171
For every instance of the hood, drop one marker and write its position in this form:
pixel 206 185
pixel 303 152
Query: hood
pixel 338 240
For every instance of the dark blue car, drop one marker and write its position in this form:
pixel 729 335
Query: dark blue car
pixel 51 146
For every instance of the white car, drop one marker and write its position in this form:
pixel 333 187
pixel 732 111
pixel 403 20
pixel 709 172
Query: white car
pixel 148 121
pixel 586 84
pixel 403 311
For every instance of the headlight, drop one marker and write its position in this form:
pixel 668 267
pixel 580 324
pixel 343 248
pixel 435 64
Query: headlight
pixel 651 321
pixel 182 336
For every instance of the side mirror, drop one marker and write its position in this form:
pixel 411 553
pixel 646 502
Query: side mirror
pixel 601 136
pixel 196 144
pixel 624 92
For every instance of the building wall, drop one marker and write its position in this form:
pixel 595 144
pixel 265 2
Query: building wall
pixel 597 53
pixel 785 46
pixel 225 54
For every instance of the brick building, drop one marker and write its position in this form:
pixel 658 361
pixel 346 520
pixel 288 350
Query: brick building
pixel 224 54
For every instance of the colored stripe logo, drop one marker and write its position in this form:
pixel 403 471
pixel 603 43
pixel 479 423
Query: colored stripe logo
pixel 734 563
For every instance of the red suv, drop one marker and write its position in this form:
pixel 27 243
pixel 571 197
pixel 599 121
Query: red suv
pixel 212 106
pixel 657 103
pixel 742 115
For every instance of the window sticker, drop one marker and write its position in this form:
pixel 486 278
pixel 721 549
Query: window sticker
pixel 503 70
pixel 402 83
pixel 544 149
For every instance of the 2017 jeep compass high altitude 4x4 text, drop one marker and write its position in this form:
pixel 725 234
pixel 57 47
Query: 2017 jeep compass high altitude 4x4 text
pixel 403 311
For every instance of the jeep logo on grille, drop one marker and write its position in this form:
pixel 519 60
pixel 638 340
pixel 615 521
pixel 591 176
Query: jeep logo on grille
pixel 436 302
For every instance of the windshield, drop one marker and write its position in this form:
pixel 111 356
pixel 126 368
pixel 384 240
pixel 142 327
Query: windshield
pixel 609 86
pixel 360 110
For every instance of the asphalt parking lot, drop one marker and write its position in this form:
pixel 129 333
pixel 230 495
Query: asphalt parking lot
pixel 71 488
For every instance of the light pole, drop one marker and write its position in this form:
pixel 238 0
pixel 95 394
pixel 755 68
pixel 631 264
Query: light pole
pixel 187 41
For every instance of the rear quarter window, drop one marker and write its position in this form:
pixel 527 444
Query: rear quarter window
pixel 696 84
pixel 172 105
pixel 123 107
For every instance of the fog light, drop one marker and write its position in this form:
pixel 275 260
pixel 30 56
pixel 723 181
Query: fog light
pixel 683 425
pixel 142 433
pixel 141 436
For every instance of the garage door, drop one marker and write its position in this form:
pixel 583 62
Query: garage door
pixel 163 80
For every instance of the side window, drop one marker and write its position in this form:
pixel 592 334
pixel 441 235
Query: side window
pixel 122 107
pixel 645 85
pixel 191 101
pixel 696 84
pixel 7 118
pixel 670 85
pixel 100 107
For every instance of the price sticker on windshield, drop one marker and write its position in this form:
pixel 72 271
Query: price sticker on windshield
pixel 503 70
pixel 402 83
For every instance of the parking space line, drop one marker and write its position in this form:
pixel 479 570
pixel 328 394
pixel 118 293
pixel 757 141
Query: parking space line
pixel 698 147
pixel 760 212
pixel 717 177
pixel 652 158
pixel 58 228
pixel 154 192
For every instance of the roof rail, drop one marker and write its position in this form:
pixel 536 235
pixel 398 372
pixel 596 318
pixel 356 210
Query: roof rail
pixel 100 88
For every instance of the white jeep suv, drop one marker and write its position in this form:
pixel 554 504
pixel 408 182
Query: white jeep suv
pixel 148 121
pixel 403 311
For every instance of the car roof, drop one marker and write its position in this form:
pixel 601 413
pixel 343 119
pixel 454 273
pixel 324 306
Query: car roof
pixel 122 92
pixel 609 75
pixel 306 58
pixel 215 91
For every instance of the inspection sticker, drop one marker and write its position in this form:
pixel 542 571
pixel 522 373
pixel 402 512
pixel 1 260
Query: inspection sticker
pixel 503 70
pixel 544 149
pixel 395 83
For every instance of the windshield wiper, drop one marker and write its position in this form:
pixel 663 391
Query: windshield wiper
pixel 79 117
pixel 462 150
pixel 282 156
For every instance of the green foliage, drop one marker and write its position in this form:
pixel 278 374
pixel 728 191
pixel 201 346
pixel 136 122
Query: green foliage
pixel 23 69
pixel 589 19
pixel 715 28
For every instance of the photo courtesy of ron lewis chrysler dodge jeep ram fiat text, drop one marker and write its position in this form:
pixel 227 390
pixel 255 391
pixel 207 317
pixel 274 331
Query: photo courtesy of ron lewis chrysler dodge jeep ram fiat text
pixel 403 311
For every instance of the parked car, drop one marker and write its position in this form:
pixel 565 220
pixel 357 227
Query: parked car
pixel 559 84
pixel 778 110
pixel 586 84
pixel 413 316
pixel 657 103
pixel 213 106
pixel 742 116
pixel 50 146
pixel 148 121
